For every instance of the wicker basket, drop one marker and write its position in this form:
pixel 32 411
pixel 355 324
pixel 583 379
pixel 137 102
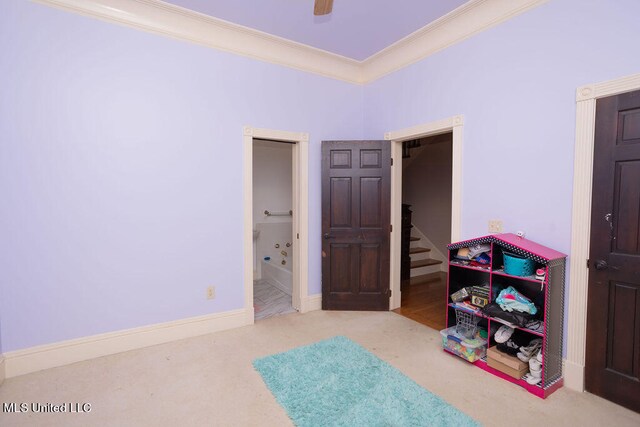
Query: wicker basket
pixel 517 265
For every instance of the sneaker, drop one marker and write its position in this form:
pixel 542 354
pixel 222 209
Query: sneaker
pixel 537 373
pixel 540 274
pixel 534 365
pixel 503 334
pixel 532 348
pixel 539 356
pixel 530 379
pixel 509 347
pixel 525 358
pixel 534 325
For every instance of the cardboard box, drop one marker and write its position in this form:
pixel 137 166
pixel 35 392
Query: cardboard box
pixel 509 365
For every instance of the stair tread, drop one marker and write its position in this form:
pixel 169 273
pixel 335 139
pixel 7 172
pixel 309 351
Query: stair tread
pixel 426 278
pixel 414 239
pixel 424 263
pixel 418 250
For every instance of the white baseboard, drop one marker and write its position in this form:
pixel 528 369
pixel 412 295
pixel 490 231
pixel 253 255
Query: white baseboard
pixel 573 376
pixel 34 359
pixel 311 303
pixel 1 369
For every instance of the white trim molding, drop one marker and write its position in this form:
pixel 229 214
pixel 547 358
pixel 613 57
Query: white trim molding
pixel 35 359
pixel 586 97
pixel 173 21
pixel 300 213
pixel 455 126
pixel 169 20
pixel 458 25
pixel 312 303
pixel 2 371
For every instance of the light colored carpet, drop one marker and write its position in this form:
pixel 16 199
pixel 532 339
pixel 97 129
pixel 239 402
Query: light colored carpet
pixel 210 380
pixel 336 382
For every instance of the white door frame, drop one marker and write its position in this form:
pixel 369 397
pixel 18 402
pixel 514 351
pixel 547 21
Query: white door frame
pixel 300 203
pixel 586 97
pixel 452 124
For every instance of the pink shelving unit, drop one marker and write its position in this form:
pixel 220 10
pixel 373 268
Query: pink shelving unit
pixel 547 294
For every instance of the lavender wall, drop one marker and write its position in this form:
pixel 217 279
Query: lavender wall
pixel 121 171
pixel 515 85
pixel 121 153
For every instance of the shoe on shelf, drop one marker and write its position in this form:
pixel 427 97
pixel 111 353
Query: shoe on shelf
pixel 530 379
pixel 523 357
pixel 540 274
pixel 503 334
pixel 536 373
pixel 534 365
pixel 539 356
pixel 509 347
pixel 532 348
pixel 534 325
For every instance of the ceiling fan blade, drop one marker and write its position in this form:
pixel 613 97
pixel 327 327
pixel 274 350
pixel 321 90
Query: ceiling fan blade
pixel 322 7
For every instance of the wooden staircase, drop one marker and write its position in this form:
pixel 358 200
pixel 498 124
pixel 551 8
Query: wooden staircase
pixel 423 268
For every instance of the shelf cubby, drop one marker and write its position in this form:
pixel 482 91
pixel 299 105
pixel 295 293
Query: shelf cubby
pixel 547 294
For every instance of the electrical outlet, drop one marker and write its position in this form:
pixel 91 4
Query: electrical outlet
pixel 495 226
pixel 211 292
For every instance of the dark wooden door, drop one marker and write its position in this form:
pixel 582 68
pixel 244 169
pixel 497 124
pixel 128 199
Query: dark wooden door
pixel 613 325
pixel 356 210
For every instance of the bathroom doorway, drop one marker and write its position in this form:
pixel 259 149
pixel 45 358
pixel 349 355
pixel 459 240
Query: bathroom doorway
pixel 272 228
pixel 275 223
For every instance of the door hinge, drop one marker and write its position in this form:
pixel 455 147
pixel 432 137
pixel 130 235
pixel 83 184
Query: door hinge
pixel 388 292
pixel 587 262
pixel 298 236
pixel 392 161
pixel 390 228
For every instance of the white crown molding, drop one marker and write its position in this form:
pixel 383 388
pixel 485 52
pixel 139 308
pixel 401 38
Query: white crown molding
pixel 467 20
pixel 173 21
pixel 169 20
pixel 34 359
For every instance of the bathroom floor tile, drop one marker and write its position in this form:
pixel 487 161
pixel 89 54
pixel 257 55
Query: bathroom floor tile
pixel 269 300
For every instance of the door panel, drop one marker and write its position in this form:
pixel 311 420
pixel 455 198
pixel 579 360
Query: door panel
pixel 613 316
pixel 356 192
pixel 340 202
pixel 371 206
pixel 369 263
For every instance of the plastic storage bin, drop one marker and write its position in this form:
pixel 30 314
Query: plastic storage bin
pixel 469 350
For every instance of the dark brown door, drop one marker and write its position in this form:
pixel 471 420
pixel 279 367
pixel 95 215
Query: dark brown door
pixel 356 209
pixel 613 325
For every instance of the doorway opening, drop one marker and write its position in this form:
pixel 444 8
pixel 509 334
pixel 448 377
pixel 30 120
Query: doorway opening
pixel 426 223
pixel 452 126
pixel 272 228
pixel 275 222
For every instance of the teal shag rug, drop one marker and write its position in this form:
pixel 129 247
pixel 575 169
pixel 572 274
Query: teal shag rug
pixel 336 382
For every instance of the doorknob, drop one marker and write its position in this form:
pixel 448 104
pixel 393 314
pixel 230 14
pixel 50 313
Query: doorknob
pixel 601 264
pixel 326 236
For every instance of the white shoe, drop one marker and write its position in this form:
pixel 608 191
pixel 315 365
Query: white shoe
pixel 534 365
pixel 530 379
pixel 503 334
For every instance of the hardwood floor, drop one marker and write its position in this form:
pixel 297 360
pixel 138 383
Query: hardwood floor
pixel 424 300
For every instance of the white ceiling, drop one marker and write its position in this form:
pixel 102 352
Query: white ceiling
pixel 355 29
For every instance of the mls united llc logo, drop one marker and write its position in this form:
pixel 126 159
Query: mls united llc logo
pixel 46 407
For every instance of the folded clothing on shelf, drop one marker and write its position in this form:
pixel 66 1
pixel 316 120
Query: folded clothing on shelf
pixel 510 299
pixel 512 317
